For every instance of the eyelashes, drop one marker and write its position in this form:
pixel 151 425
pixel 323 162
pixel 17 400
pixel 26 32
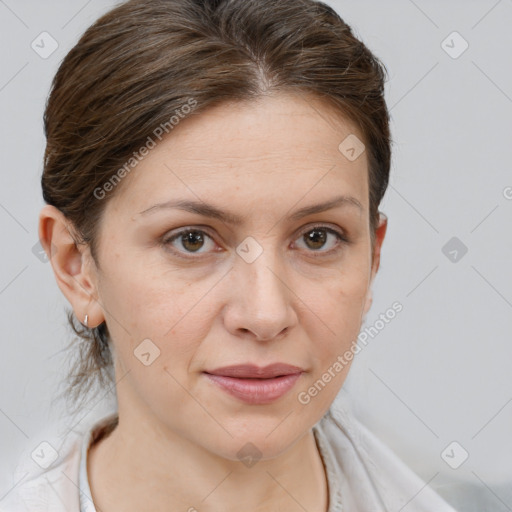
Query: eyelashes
pixel 192 236
pixel 340 238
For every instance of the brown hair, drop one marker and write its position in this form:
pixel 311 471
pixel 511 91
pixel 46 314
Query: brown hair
pixel 136 67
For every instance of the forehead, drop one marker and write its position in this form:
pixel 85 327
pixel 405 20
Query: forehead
pixel 282 124
pixel 283 144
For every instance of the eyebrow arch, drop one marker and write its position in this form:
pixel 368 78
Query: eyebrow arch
pixel 209 210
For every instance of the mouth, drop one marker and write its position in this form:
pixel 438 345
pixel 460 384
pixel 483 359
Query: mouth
pixel 256 385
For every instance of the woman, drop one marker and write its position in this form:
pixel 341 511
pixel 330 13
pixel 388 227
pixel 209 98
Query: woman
pixel 212 175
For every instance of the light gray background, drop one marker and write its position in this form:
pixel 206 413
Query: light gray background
pixel 440 371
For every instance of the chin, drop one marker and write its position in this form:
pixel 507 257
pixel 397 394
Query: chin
pixel 265 436
pixel 254 448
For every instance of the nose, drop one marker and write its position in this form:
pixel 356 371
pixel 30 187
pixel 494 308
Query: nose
pixel 261 301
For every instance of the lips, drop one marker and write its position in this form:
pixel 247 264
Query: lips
pixel 250 371
pixel 256 385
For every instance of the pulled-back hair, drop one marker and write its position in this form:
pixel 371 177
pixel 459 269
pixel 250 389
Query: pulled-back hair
pixel 141 63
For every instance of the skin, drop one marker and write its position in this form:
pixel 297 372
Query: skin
pixel 178 435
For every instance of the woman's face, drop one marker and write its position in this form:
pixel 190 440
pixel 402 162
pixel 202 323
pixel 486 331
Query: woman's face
pixel 185 293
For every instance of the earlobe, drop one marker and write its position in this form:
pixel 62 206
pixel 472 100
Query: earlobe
pixel 71 265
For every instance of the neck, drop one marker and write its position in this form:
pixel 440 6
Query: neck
pixel 141 466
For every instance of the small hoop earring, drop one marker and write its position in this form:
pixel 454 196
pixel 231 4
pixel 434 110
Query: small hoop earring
pixel 86 321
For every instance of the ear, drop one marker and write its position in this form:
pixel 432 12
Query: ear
pixel 380 233
pixel 73 265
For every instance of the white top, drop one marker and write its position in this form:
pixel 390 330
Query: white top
pixel 363 475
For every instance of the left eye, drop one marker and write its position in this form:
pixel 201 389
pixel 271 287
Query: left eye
pixel 315 238
pixel 193 240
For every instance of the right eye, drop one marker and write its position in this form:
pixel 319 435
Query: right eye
pixel 191 240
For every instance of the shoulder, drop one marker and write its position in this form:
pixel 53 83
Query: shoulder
pixel 375 477
pixel 40 485
pixel 46 479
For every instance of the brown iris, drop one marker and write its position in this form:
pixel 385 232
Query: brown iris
pixel 192 240
pixel 316 236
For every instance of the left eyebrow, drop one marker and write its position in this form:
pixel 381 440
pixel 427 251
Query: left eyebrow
pixel 336 202
pixel 209 210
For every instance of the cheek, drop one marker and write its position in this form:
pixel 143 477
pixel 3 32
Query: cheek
pixel 335 323
pixel 335 317
pixel 145 302
pixel 341 317
pixel 340 295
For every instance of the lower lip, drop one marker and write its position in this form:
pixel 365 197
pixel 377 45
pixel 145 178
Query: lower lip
pixel 256 391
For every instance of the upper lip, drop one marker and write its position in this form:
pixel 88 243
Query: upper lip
pixel 251 371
